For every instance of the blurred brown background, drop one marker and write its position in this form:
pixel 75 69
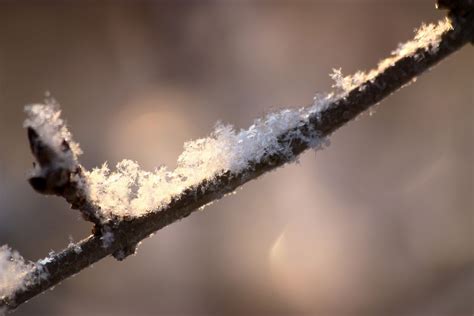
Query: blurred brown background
pixel 379 223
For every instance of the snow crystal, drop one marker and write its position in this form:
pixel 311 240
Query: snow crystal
pixel 14 271
pixel 427 37
pixel 46 260
pixel 77 249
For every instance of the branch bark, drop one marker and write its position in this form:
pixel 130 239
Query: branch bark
pixel 128 233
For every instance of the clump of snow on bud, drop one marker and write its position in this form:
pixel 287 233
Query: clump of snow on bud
pixel 45 120
pixel 14 271
pixel 427 38
pixel 130 191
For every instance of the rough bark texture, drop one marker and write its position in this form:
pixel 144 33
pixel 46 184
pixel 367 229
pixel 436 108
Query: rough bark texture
pixel 128 233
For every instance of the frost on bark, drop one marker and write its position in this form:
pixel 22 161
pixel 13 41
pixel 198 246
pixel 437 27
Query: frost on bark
pixel 128 204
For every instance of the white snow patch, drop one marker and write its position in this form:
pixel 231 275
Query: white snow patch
pixel 14 271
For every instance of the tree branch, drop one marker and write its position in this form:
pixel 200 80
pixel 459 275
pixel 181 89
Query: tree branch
pixel 386 79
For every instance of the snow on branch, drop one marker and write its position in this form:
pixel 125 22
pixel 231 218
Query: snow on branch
pixel 129 204
pixel 16 274
pixel 14 271
pixel 427 36
pixel 130 192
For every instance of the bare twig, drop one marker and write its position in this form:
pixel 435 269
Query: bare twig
pixel 129 232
